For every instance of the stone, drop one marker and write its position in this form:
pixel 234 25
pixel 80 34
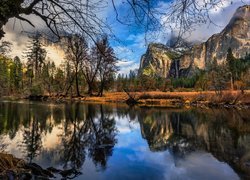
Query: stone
pixel 165 62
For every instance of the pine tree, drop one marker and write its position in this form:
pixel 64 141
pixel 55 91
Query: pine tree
pixel 36 56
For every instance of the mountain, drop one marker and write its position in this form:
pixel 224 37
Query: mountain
pixel 157 60
pixel 236 35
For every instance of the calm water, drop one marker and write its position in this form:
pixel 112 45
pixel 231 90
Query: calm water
pixel 118 142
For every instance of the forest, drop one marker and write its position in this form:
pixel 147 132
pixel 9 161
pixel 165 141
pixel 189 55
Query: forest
pixel 84 70
pixel 93 70
pixel 90 66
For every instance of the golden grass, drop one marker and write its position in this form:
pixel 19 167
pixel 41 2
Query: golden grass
pixel 161 98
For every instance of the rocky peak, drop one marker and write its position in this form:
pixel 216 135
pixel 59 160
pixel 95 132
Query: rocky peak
pixel 239 24
pixel 157 60
pixel 163 61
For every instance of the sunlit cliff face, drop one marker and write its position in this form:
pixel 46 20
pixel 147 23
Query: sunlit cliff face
pixel 235 35
pixel 55 53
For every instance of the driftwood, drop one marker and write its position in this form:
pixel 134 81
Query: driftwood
pixel 132 100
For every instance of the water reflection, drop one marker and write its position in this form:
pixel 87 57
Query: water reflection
pixel 92 131
pixel 106 141
pixel 223 132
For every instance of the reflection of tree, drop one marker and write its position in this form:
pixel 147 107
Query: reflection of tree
pixel 74 140
pixel 9 118
pixel 86 129
pixel 35 118
pixel 103 139
pixel 2 145
pixel 32 139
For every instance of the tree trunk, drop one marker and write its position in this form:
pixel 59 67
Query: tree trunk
pixel 232 82
pixel 69 87
pixel 90 89
pixel 77 85
pixel 101 89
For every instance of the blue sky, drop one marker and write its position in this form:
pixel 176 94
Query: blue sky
pixel 133 44
pixel 130 43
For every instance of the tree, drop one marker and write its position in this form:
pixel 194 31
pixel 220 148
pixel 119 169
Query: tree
pixel 5 47
pixel 59 16
pixel 202 82
pixel 36 55
pixel 218 75
pixel 81 16
pixel 69 77
pixel 91 66
pixel 4 74
pixel 181 16
pixel 107 67
pixel 231 62
pixel 76 54
pixel 59 80
pixel 48 73
pixel 16 74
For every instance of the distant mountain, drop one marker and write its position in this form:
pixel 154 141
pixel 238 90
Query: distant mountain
pixel 159 59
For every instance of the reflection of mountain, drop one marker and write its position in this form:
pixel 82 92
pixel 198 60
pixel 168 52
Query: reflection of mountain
pixel 68 134
pixel 223 133
pixel 157 129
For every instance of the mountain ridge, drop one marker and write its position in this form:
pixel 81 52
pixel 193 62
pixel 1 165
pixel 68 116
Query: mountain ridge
pixel 236 35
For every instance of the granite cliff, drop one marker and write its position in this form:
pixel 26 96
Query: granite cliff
pixel 157 60
pixel 164 62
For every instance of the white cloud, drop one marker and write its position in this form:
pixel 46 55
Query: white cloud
pixel 219 15
pixel 135 43
pixel 123 51
pixel 220 18
pixel 126 65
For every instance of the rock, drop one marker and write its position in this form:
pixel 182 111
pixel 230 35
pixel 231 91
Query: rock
pixel 53 170
pixel 25 176
pixel 164 62
pixel 70 172
pixel 236 35
pixel 38 170
pixel 157 60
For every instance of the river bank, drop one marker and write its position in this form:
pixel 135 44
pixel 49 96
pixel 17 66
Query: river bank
pixel 159 99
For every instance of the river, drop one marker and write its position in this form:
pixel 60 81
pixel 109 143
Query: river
pixel 111 141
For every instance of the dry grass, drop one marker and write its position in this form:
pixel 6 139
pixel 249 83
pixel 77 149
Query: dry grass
pixel 161 98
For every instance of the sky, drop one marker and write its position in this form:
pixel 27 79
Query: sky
pixel 129 43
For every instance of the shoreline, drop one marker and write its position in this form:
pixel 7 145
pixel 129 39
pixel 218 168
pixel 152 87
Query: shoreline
pixel 206 99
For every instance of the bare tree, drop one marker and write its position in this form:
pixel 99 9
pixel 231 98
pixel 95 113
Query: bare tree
pixel 180 16
pixel 90 69
pixel 108 67
pixel 82 15
pixel 76 54
pixel 64 16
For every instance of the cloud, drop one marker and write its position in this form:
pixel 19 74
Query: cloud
pixel 126 65
pixel 219 19
pixel 220 16
pixel 133 42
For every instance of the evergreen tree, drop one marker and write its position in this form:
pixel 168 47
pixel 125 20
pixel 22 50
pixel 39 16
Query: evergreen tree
pixel 18 71
pixel 36 56
pixel 232 65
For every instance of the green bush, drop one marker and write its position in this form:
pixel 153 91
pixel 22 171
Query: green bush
pixel 36 90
